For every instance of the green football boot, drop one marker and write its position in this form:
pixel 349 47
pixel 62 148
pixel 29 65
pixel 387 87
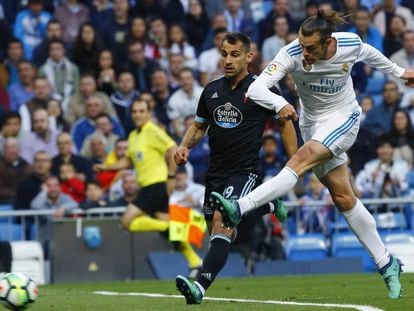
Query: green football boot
pixel 190 291
pixel 391 275
pixel 279 210
pixel 229 209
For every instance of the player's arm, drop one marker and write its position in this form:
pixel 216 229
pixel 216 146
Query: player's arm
pixel 172 168
pixel 121 164
pixel 259 90
pixel 375 58
pixel 193 135
pixel 288 134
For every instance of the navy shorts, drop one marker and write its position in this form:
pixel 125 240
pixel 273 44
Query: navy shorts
pixel 153 198
pixel 233 187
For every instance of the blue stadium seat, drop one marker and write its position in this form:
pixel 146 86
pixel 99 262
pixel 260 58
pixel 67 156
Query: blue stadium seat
pixel 375 83
pixel 399 237
pixel 306 247
pixel 11 232
pixel 4 208
pixel 339 225
pixel 347 245
pixel 392 221
pixel 166 265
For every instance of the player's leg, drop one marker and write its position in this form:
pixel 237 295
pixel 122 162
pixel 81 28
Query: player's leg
pixel 363 225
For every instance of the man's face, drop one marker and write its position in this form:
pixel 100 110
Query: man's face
pixel 36 8
pixel 234 59
pixel 42 164
pixel 11 150
pixel 390 94
pixel 136 53
pixel 97 147
pixel 140 113
pixel 281 26
pixel 104 125
pixel 57 52
pixel 15 51
pixel 362 21
pixel 187 81
pixel 281 7
pixel 385 152
pixel 129 184
pixel 218 39
pixel 87 86
pixel 93 107
pixel 53 188
pixel 64 144
pixel 312 48
pixel 408 43
pixel 176 63
pixel 26 73
pixel 54 31
pixel 159 81
pixel 41 89
pixel 121 148
pixel 12 127
pixel 126 83
pixel 93 192
pixel 121 7
pixel 233 6
pixel 40 122
pixel 158 28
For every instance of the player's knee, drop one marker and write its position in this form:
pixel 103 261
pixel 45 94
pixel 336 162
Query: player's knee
pixel 344 202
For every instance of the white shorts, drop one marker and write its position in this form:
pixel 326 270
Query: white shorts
pixel 337 133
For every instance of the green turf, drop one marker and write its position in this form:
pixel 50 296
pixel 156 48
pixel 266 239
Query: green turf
pixel 360 289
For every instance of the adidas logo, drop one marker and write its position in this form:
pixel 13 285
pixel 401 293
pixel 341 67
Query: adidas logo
pixel 215 95
pixel 207 275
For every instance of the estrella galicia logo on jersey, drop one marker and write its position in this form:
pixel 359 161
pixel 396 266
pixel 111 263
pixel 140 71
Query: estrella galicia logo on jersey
pixel 271 69
pixel 227 116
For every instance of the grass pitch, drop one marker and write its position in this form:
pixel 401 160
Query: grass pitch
pixel 350 289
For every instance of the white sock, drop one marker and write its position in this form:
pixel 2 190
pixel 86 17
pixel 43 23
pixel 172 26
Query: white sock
pixel 272 189
pixel 201 288
pixel 361 222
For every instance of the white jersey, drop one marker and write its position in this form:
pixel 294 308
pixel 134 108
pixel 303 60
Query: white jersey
pixel 324 87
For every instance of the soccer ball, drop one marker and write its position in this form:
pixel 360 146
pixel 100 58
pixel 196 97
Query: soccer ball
pixel 17 291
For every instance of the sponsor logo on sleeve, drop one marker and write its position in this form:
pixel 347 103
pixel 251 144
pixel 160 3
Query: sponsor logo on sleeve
pixel 271 69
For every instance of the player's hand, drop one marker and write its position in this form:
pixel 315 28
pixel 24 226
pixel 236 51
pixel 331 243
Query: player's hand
pixel 97 168
pixel 181 155
pixel 288 112
pixel 409 76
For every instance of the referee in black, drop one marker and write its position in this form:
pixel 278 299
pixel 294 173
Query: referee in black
pixel 235 126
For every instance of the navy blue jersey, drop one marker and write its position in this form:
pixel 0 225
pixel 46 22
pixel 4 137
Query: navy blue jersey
pixel 236 126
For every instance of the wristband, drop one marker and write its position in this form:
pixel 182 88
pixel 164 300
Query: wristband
pixel 171 176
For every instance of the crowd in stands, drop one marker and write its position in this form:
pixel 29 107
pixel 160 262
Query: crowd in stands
pixel 70 70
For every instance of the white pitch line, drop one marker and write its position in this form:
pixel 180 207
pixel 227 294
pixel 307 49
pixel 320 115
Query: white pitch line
pixel 274 302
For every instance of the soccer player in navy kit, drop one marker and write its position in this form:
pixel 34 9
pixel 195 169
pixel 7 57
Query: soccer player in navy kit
pixel 235 126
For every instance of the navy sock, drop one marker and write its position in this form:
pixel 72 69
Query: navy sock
pixel 214 261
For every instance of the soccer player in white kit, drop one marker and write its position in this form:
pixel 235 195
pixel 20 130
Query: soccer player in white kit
pixel 320 62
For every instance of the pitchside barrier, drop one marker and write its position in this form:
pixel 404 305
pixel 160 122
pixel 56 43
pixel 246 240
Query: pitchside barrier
pixel 91 246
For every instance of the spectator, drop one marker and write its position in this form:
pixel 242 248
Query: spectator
pixel 61 73
pixel 97 149
pixel 382 18
pixel 217 21
pixel 130 190
pixel 82 166
pixel 401 136
pixel 149 9
pixel 178 44
pixel 86 125
pixel 140 66
pixel 404 57
pixel 159 44
pixel 13 170
pixel 274 43
pixel 95 196
pixel 86 48
pixel 366 103
pixel 238 20
pixel 8 70
pixel 55 111
pixel 22 91
pixel 123 97
pixel 115 29
pixel 106 72
pixel 393 40
pixel 4 38
pixel 175 65
pixel 383 177
pixel 30 26
pixel 104 126
pixel 53 31
pixel 87 88
pixel 349 9
pixel 378 119
pixel 41 138
pixel 31 186
pixel 256 65
pixel 100 12
pixel 162 92
pixel 209 64
pixel 184 101
pixel 12 127
pixel 365 30
pixel 137 31
pixel 42 94
pixel 71 14
pixel 197 24
pixel 270 157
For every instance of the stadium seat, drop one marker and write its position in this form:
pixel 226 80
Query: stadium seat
pixel 28 258
pixel 11 232
pixel 347 245
pixel 339 225
pixel 391 221
pixel 161 264
pixel 401 245
pixel 306 247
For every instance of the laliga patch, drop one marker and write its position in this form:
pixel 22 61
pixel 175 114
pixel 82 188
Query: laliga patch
pixel 271 69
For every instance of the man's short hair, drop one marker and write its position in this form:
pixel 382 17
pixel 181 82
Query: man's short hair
pixel 55 41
